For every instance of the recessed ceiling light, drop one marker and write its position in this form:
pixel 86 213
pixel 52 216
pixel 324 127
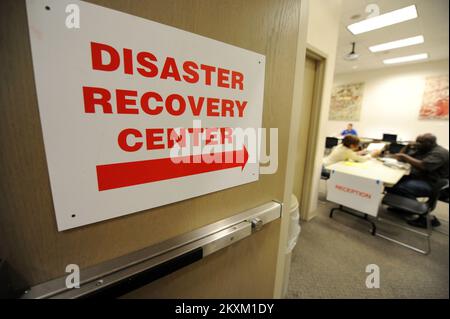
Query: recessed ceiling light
pixel 408 58
pixel 397 44
pixel 384 20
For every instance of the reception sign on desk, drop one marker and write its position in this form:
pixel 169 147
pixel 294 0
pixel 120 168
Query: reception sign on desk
pixel 136 114
pixel 359 193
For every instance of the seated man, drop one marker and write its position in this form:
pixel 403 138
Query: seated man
pixel 429 164
pixel 347 151
pixel 349 130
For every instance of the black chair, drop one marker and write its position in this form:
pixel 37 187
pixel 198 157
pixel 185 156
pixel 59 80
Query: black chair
pixel 325 174
pixel 414 207
pixel 331 142
pixel 389 138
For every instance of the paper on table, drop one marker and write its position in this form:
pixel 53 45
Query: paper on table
pixel 392 162
pixel 376 147
pixel 389 160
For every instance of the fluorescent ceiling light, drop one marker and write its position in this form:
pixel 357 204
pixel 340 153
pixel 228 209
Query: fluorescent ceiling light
pixel 397 44
pixel 384 20
pixel 408 58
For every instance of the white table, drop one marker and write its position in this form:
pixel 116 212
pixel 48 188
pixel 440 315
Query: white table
pixel 371 169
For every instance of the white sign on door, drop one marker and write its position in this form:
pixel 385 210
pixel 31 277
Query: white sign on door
pixel 359 193
pixel 136 114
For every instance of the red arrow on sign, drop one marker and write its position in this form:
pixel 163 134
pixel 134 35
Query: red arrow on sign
pixel 111 176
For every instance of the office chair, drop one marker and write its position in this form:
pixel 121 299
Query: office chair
pixel 325 174
pixel 331 142
pixel 415 207
pixel 389 138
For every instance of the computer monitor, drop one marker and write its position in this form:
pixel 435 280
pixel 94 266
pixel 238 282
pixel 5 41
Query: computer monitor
pixel 389 138
pixel 395 148
pixel 331 142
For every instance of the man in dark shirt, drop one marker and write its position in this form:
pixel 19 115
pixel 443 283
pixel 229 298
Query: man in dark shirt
pixel 429 163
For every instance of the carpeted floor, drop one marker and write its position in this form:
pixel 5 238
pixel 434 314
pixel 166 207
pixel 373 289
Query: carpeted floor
pixel 331 256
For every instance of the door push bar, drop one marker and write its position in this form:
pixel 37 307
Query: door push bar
pixel 116 277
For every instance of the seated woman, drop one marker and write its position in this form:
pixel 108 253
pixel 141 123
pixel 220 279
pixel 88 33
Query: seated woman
pixel 348 151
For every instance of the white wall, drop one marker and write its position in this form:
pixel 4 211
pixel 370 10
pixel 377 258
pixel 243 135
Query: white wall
pixel 323 32
pixel 391 102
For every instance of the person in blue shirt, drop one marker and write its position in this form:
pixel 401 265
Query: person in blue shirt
pixel 349 130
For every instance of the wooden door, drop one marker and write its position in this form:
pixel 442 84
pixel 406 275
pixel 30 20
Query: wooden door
pixel 29 239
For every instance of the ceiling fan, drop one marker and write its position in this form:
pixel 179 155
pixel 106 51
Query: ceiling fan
pixel 352 56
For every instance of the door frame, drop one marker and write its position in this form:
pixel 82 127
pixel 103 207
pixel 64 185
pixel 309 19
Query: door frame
pixel 294 126
pixel 303 50
pixel 313 133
